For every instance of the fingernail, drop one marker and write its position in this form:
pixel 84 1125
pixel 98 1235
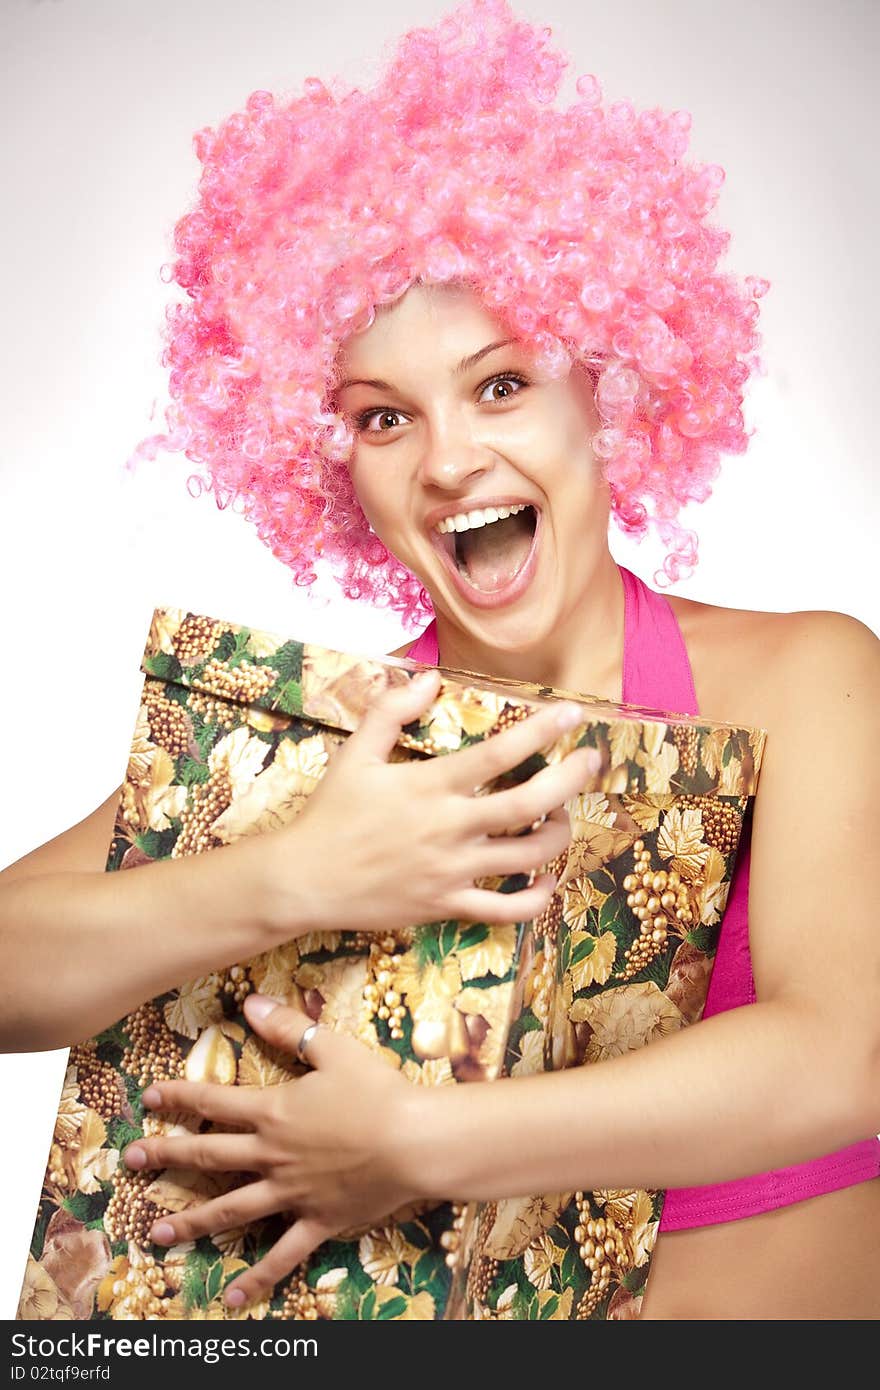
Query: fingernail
pixel 423 679
pixel 235 1298
pixel 152 1096
pixel 162 1233
pixel 135 1157
pixel 569 716
pixel 260 1006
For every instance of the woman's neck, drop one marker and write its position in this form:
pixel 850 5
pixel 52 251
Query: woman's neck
pixel 583 653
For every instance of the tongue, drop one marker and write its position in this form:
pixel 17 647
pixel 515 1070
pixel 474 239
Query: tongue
pixel 492 555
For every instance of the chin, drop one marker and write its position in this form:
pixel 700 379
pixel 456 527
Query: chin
pixel 516 630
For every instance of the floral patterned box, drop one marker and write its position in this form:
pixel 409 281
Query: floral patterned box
pixel 234 731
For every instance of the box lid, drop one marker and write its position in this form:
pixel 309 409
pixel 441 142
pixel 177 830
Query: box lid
pixel 288 678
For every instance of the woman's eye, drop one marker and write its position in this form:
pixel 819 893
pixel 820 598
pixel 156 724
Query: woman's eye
pixel 385 420
pixel 499 388
pixel 502 387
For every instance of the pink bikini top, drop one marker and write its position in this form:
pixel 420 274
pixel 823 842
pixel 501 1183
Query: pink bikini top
pixel 657 674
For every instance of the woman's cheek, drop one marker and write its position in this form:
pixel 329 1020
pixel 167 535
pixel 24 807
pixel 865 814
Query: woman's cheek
pixel 381 505
pixel 368 496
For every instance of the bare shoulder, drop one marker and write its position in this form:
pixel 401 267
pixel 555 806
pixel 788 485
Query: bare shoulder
pixel 821 630
pixel 749 666
pixel 828 671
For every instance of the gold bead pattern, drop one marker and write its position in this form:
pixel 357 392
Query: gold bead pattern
pixel 483 1270
pixel 170 725
pixel 381 999
pixel 100 1086
pixel 687 741
pixel 592 1297
pixel 722 823
pixel 246 682
pixel 56 1172
pixel 544 980
pixel 153 1054
pixel 422 745
pixel 451 1240
pixel 212 711
pixel 130 1214
pixel 547 924
pixel 660 901
pixel 139 1293
pixel 557 866
pixel 196 638
pixel 300 1303
pixel 510 715
pixel 602 1247
pixel 233 983
pixel 207 801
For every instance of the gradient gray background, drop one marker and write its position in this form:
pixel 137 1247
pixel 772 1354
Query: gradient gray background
pixel 99 102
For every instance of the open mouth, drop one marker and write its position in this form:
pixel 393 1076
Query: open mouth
pixel 490 548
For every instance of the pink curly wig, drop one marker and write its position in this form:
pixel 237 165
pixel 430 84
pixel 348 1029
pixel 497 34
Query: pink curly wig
pixel 582 230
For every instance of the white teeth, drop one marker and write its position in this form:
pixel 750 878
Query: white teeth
pixel 470 521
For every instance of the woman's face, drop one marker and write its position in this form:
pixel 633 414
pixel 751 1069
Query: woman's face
pixel 454 429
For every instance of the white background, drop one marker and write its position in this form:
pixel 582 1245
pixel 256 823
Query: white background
pixel 99 102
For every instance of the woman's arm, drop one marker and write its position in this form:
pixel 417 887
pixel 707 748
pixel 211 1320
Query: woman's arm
pixel 784 1080
pixel 81 947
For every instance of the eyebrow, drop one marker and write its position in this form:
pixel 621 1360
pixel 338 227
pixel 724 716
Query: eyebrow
pixel 464 366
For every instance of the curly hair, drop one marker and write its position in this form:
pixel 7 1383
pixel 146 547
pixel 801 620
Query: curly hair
pixel 582 230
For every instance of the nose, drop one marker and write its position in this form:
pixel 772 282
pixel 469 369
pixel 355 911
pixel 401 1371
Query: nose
pixel 451 457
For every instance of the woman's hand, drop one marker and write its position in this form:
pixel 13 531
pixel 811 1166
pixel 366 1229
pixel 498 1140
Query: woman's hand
pixel 384 845
pixel 325 1147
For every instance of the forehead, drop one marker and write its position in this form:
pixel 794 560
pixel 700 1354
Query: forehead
pixel 447 320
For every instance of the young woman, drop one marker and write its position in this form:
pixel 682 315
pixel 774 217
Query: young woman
pixel 446 302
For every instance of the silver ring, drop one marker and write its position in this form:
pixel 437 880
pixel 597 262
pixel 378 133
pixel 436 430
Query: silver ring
pixel 304 1041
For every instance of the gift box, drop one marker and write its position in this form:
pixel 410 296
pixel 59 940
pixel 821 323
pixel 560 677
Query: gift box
pixel 234 731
